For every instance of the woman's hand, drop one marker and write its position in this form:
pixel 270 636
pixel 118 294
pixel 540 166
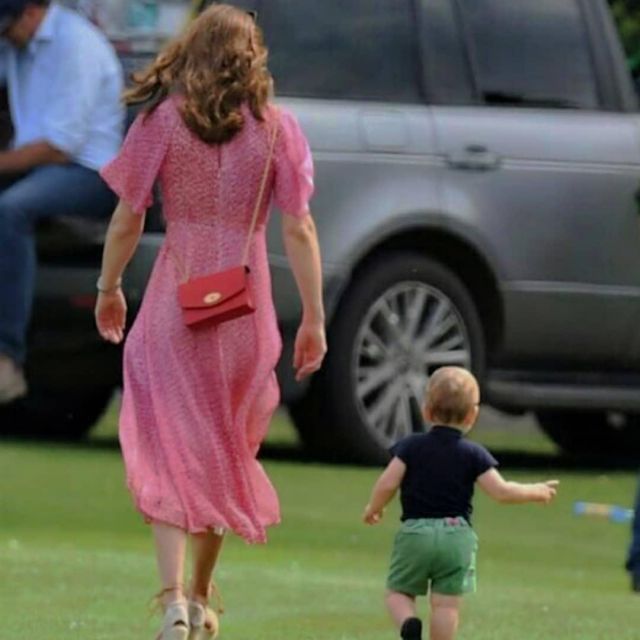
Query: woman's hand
pixel 309 350
pixel 111 315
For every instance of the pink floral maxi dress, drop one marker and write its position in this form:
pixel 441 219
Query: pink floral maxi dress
pixel 197 403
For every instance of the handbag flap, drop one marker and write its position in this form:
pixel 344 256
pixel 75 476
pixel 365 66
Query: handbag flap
pixel 214 289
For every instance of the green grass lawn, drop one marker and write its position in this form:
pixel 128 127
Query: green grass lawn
pixel 76 561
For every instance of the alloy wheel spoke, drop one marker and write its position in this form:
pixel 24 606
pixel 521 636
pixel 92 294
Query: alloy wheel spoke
pixel 409 331
pixel 392 419
pixel 398 416
pixel 370 378
pixel 441 330
pixel 454 341
pixel 373 344
pixel 404 427
pixel 417 384
pixel 415 312
pixel 384 404
pixel 459 357
pixel 391 321
pixel 433 324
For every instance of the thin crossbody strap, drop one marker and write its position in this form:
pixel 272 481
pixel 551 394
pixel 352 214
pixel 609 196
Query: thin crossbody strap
pixel 256 211
pixel 263 184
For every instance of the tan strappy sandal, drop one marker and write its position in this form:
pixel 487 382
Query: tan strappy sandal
pixel 175 624
pixel 204 622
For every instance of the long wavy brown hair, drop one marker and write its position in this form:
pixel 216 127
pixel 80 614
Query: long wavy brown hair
pixel 219 63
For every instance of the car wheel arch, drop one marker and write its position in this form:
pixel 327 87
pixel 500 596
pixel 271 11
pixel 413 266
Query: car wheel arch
pixel 458 252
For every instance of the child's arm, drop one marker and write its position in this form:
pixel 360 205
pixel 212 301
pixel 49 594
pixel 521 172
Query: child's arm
pixel 501 490
pixel 384 490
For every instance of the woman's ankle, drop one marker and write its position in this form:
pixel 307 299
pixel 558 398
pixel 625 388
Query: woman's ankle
pixel 200 591
pixel 169 595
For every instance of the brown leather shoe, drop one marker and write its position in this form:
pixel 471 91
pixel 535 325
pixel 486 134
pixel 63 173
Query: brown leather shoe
pixel 12 382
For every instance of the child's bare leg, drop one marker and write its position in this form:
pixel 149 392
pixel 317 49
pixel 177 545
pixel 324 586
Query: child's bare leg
pixel 400 606
pixel 171 545
pixel 205 551
pixel 444 616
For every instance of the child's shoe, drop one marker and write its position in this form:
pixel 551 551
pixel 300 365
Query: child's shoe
pixel 411 629
pixel 635 582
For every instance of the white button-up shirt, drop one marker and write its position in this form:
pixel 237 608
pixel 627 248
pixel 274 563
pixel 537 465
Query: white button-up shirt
pixel 65 87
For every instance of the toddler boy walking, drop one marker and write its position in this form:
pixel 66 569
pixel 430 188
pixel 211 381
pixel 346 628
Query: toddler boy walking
pixel 434 550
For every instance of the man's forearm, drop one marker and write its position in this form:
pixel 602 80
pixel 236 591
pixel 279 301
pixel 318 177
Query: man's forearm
pixel 29 157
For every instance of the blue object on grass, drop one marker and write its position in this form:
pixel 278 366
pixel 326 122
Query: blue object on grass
pixel 611 512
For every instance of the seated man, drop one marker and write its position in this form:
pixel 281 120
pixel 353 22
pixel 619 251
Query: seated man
pixel 64 82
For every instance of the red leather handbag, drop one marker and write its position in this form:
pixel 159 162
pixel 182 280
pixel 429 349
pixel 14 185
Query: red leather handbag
pixel 216 298
pixel 222 296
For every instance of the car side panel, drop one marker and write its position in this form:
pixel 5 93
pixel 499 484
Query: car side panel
pixel 559 210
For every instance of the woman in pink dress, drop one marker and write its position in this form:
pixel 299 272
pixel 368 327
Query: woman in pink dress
pixel 197 402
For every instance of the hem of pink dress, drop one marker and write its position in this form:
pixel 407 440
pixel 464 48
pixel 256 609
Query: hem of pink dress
pixel 179 521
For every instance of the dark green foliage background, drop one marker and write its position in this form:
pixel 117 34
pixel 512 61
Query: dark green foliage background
pixel 627 16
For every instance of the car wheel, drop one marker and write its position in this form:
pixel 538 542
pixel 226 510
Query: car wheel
pixel 592 432
pixel 54 415
pixel 404 316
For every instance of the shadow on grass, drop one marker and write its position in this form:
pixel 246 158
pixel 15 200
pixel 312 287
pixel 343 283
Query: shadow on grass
pixel 295 453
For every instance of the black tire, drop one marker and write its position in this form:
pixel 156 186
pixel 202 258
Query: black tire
pixel 585 433
pixel 331 417
pixel 54 415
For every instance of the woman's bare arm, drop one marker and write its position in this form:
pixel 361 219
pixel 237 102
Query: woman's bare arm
pixel 303 251
pixel 122 239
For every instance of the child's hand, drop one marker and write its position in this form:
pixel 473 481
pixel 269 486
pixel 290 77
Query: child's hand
pixel 372 517
pixel 548 490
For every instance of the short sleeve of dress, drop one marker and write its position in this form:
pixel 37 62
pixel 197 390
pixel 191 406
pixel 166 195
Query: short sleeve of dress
pixel 293 165
pixel 133 172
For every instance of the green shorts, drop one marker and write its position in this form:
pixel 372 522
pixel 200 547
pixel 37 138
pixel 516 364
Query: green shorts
pixel 434 553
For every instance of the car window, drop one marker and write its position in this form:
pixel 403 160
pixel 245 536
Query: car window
pixel 530 52
pixel 366 51
pixel 446 60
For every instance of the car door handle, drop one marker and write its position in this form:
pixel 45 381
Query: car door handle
pixel 475 157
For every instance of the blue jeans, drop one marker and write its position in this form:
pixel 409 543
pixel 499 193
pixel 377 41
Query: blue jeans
pixel 46 192
pixel 633 560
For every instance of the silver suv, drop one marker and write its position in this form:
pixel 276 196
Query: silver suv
pixel 477 173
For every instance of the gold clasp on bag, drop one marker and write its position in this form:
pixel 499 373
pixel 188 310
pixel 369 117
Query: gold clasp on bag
pixel 212 298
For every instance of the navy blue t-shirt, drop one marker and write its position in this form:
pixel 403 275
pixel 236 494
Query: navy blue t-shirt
pixel 442 468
